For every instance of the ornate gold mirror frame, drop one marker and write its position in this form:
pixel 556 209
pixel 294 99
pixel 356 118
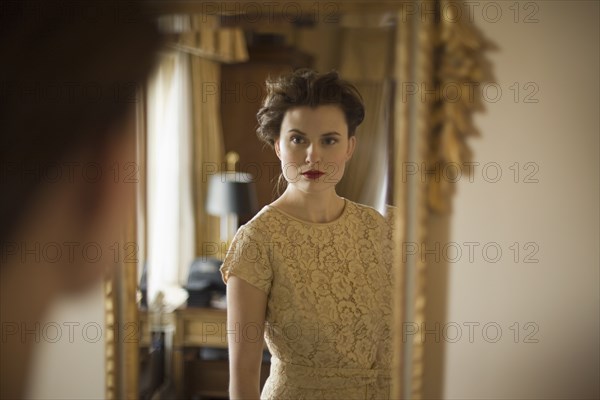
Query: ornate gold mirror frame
pixel 437 49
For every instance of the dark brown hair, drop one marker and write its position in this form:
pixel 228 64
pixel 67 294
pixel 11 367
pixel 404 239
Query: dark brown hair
pixel 306 87
pixel 70 73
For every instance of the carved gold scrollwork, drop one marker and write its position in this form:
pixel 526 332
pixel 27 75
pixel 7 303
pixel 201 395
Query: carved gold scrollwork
pixel 460 67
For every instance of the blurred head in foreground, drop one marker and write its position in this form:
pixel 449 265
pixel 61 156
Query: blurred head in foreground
pixel 69 77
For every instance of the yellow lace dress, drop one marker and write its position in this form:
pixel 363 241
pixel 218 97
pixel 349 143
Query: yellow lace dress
pixel 329 300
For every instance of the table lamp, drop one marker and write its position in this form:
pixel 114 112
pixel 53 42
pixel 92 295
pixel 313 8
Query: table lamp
pixel 231 194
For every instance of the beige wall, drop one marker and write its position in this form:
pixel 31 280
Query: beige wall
pixel 71 366
pixel 559 214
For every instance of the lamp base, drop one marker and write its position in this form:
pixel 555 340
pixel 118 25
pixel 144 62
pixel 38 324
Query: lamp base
pixel 229 226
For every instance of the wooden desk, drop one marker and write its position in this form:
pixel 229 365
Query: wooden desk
pixel 196 328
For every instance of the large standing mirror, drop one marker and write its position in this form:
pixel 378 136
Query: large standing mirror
pixel 198 119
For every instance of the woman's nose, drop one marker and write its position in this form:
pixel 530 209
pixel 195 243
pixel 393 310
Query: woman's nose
pixel 313 154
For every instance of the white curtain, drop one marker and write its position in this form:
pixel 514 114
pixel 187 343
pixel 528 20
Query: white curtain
pixel 169 189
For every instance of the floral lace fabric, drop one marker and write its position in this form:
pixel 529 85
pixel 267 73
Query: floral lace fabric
pixel 329 300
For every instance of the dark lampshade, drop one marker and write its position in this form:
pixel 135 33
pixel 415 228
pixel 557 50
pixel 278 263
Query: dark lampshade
pixel 231 193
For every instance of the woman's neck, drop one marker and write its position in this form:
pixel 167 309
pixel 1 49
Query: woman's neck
pixel 312 207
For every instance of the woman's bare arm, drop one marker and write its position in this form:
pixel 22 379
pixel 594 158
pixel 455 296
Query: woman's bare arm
pixel 246 308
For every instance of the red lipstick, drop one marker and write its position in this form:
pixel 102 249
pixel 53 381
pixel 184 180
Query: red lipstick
pixel 313 174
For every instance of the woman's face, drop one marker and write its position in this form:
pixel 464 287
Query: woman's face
pixel 313 147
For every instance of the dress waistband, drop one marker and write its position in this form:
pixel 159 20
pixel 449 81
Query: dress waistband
pixel 325 378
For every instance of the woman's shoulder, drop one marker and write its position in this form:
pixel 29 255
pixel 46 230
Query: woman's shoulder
pixel 369 212
pixel 269 219
pixel 260 223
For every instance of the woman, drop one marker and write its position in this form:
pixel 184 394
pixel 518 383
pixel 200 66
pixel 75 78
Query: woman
pixel 313 266
pixel 66 83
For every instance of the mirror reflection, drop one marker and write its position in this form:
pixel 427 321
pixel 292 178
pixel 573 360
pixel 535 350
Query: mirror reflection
pixel 268 158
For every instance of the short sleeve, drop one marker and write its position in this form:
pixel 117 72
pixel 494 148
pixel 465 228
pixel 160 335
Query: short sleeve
pixel 248 259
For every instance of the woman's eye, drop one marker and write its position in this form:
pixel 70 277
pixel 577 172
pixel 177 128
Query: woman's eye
pixel 330 140
pixel 297 139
